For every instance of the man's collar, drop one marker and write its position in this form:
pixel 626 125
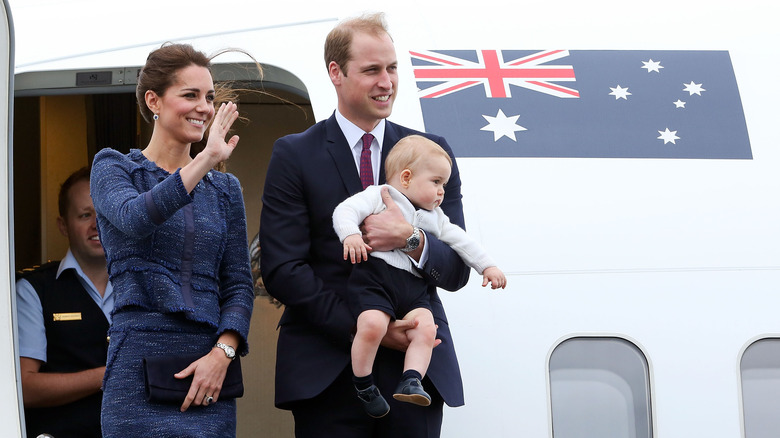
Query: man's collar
pixel 352 133
pixel 69 262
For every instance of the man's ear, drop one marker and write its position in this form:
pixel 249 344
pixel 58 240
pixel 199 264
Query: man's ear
pixel 62 226
pixel 406 177
pixel 335 73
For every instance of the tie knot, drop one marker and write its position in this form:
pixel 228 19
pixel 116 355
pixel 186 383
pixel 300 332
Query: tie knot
pixel 367 140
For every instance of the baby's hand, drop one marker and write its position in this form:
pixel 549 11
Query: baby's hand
pixel 494 276
pixel 355 250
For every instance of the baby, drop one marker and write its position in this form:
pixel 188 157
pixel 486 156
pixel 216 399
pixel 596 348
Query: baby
pixel 387 285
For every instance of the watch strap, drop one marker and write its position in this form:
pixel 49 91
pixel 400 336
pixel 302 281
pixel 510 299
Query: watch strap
pixel 413 241
pixel 227 349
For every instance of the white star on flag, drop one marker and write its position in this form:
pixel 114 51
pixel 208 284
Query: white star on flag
pixel 619 93
pixel 502 126
pixel 651 65
pixel 668 136
pixel 679 104
pixel 693 88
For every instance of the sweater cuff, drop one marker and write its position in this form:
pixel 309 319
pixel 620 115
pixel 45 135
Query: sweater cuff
pixel 236 319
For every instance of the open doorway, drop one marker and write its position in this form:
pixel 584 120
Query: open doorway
pixel 62 121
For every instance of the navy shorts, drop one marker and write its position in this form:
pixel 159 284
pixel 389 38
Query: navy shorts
pixel 376 285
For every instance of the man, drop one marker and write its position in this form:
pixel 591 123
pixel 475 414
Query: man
pixel 309 175
pixel 63 310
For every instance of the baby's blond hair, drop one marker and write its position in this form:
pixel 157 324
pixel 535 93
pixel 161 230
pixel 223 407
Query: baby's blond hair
pixel 409 151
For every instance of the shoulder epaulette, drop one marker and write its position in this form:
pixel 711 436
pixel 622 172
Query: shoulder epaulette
pixel 24 272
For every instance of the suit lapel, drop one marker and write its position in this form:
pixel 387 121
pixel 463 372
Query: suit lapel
pixel 391 138
pixel 342 157
pixel 341 153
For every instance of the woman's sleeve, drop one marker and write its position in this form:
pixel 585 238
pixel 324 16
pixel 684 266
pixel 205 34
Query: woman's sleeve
pixel 131 211
pixel 236 287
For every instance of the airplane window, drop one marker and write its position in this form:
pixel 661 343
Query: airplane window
pixel 760 384
pixel 600 387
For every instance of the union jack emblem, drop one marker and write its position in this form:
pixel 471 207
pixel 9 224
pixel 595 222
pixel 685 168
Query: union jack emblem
pixel 454 74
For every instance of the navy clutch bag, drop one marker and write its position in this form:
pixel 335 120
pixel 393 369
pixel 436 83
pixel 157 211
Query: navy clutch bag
pixel 162 387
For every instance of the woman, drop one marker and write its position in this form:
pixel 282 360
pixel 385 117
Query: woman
pixel 174 233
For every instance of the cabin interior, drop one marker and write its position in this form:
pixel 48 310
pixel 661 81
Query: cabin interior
pixel 61 121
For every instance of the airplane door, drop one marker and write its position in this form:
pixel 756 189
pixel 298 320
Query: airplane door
pixel 10 407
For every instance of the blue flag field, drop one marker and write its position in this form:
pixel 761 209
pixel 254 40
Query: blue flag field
pixel 591 103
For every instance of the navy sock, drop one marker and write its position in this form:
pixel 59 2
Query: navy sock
pixel 411 373
pixel 362 383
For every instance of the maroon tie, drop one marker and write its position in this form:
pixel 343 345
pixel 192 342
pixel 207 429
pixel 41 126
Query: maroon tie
pixel 366 169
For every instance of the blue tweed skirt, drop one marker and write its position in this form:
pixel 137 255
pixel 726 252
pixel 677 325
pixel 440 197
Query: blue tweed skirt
pixel 125 412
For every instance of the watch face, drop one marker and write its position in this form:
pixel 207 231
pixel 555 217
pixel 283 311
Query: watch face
pixel 412 242
pixel 230 352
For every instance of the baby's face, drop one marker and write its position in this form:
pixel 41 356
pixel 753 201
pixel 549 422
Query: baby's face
pixel 425 186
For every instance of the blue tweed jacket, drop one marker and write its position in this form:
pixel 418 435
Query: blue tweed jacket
pixel 170 251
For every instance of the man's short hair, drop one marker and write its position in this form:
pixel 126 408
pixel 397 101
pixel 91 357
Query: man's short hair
pixel 63 199
pixel 339 40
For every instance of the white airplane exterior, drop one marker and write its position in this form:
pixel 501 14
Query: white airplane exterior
pixel 642 248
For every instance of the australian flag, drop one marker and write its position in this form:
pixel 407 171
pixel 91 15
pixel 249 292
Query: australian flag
pixel 583 103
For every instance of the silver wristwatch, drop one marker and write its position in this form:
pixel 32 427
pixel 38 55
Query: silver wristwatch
pixel 413 241
pixel 230 352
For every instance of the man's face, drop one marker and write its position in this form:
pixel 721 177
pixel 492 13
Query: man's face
pixel 367 85
pixel 79 225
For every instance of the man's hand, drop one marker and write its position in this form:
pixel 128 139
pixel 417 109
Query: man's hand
pixel 396 338
pixel 387 230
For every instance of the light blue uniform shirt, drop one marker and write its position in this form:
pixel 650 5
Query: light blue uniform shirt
pixel 29 311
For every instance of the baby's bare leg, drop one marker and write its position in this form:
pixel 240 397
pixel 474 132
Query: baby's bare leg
pixel 371 328
pixel 418 356
pixel 421 341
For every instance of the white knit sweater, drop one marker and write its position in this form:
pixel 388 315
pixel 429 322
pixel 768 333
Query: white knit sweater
pixel 348 216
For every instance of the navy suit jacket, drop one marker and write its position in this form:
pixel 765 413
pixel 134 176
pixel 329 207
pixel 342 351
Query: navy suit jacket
pixel 309 174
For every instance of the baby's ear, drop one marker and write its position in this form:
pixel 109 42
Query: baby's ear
pixel 405 177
